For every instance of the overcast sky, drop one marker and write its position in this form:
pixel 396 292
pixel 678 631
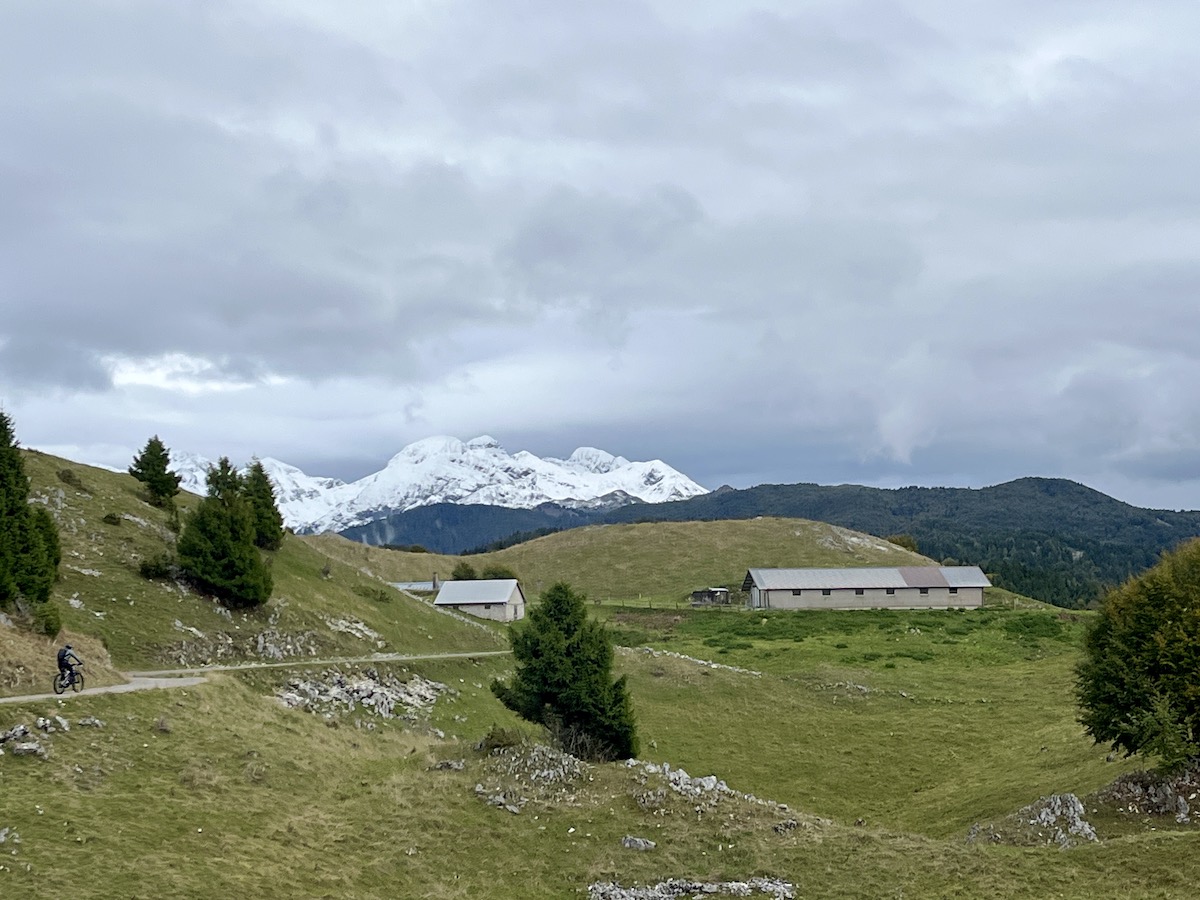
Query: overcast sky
pixel 885 242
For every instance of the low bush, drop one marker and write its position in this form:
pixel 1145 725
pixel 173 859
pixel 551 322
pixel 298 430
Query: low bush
pixel 46 619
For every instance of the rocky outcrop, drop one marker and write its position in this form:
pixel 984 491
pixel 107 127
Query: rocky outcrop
pixel 333 692
pixel 1153 794
pixel 685 888
pixel 1056 819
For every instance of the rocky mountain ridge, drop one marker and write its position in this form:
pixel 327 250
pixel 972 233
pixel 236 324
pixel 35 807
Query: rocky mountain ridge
pixel 447 470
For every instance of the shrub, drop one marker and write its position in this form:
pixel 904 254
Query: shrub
pixel 500 738
pixel 464 571
pixel 111 519
pixel 70 477
pixel 46 619
pixel 1138 686
pixel 158 567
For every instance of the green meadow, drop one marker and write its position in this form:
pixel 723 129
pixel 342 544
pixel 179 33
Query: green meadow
pixel 879 737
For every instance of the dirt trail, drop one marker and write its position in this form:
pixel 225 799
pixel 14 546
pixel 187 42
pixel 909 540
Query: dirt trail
pixel 135 683
pixel 176 678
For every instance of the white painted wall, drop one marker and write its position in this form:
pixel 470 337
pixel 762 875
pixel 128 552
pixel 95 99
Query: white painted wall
pixel 870 598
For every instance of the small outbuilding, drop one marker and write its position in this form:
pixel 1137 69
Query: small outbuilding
pixel 500 599
pixel 905 587
pixel 709 596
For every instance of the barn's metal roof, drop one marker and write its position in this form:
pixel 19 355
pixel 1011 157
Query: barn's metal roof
pixel 466 593
pixel 839 579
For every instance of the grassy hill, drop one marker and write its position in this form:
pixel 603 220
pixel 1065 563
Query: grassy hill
pixel 107 530
pixel 887 734
pixel 1049 538
pixel 648 563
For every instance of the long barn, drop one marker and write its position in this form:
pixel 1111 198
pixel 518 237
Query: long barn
pixel 905 587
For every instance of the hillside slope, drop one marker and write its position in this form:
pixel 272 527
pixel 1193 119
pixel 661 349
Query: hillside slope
pixel 661 561
pixel 319 607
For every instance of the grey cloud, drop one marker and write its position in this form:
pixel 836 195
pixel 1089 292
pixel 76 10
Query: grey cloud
pixel 896 233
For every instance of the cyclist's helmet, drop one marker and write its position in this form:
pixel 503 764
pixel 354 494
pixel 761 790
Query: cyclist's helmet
pixel 68 646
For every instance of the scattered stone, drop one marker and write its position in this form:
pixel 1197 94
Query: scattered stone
pixel 629 842
pixel 355 628
pixel 708 664
pixel 28 748
pixel 456 765
pixel 785 826
pixel 1152 794
pixel 179 626
pixel 384 695
pixel 90 722
pixel 1056 819
pixel 62 723
pixel 15 733
pixel 708 788
pixel 8 835
pixel 683 888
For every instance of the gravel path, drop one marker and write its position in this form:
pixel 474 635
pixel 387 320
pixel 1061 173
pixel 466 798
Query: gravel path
pixel 176 678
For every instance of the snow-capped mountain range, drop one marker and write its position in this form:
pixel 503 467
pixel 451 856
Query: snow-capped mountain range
pixel 447 470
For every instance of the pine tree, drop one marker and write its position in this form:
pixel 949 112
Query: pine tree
pixel 216 549
pixel 29 546
pixel 152 468
pixel 260 494
pixel 564 678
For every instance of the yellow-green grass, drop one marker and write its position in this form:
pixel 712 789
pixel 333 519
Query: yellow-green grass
pixel 658 562
pixel 219 791
pixel 107 529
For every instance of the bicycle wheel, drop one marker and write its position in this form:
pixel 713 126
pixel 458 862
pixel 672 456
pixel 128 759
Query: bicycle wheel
pixel 59 684
pixel 77 684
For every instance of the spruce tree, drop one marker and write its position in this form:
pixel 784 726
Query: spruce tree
pixel 29 546
pixel 152 468
pixel 216 548
pixel 564 678
pixel 260 494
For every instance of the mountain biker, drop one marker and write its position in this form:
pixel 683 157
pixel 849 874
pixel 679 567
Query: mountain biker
pixel 66 658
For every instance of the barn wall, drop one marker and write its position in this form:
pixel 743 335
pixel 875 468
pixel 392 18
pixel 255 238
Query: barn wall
pixel 870 598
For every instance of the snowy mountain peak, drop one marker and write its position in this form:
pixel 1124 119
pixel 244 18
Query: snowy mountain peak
pixel 589 459
pixel 483 442
pixel 444 469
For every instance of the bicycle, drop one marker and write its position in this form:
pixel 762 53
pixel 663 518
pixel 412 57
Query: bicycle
pixel 73 680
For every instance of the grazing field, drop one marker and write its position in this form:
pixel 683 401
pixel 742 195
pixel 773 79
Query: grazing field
pixel 647 564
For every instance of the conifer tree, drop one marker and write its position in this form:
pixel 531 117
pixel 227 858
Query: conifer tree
pixel 152 468
pixel 29 546
pixel 564 678
pixel 260 494
pixel 216 548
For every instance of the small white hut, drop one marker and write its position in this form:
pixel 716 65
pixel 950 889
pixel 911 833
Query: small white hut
pixel 500 599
